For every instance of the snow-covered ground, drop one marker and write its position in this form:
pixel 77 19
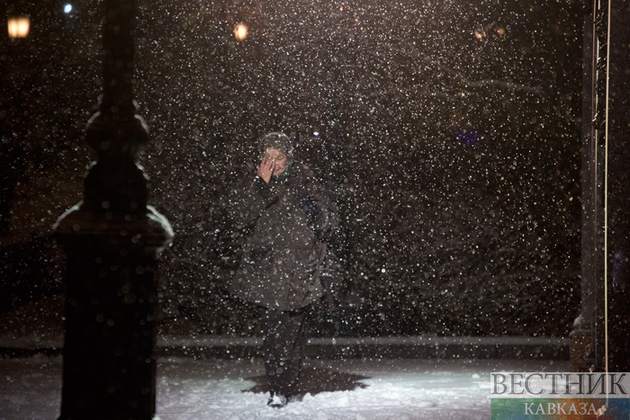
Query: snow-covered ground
pixel 219 389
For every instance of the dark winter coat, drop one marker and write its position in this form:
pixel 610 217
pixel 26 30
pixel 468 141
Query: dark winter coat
pixel 284 224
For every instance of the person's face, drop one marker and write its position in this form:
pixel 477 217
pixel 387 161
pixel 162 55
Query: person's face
pixel 279 159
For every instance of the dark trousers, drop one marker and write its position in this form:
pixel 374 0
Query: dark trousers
pixel 284 342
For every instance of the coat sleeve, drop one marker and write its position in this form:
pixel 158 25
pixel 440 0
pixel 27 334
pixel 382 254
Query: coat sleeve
pixel 246 203
pixel 320 209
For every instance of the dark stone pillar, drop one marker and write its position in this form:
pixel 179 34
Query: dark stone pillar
pixel 606 192
pixel 618 188
pixel 111 240
pixel 583 351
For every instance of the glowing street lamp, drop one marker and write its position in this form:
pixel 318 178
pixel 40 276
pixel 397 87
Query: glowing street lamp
pixel 240 31
pixel 480 34
pixel 19 26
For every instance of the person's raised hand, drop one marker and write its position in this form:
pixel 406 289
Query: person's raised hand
pixel 265 170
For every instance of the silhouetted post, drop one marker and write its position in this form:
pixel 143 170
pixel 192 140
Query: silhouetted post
pixel 585 335
pixel 617 186
pixel 605 312
pixel 111 239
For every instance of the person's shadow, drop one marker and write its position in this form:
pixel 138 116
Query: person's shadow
pixel 315 380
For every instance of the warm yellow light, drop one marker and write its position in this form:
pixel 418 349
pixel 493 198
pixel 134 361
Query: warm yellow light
pixel 240 31
pixel 480 34
pixel 19 26
pixel 341 8
pixel 501 31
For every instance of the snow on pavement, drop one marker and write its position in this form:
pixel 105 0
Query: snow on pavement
pixel 402 389
pixel 354 389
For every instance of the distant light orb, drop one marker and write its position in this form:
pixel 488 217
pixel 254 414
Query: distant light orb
pixel 19 26
pixel 240 32
pixel 501 31
pixel 316 133
pixel 67 8
pixel 480 34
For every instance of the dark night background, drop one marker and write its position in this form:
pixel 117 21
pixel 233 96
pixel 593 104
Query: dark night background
pixel 448 134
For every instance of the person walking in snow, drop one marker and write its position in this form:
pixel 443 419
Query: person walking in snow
pixel 285 216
